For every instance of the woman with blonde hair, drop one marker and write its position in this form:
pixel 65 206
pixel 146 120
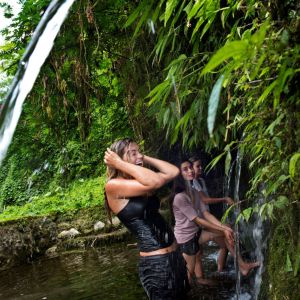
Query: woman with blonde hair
pixel 129 194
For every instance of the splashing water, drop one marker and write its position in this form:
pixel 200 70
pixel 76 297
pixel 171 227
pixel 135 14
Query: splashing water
pixel 34 57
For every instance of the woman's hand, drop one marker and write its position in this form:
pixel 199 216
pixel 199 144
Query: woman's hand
pixel 229 234
pixel 112 159
pixel 229 201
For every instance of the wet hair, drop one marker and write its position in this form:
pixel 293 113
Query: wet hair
pixel 194 159
pixel 179 185
pixel 119 148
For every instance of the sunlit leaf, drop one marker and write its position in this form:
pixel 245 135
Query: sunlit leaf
pixel 227 162
pixel 292 166
pixel 233 49
pixel 288 267
pixel 213 105
pixel 171 4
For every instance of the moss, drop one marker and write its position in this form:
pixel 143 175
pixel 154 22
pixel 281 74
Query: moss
pixel 78 195
pixel 283 284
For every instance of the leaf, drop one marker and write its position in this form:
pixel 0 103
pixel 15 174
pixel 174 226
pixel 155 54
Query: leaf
pixel 136 12
pixel 214 162
pixel 226 213
pixel 195 8
pixel 292 166
pixel 281 80
pixel 257 68
pixel 232 49
pixel 166 116
pixel 213 105
pixel 265 93
pixel 259 36
pixel 158 88
pixel 288 267
pixel 227 162
pixel 176 61
pixel 281 202
pixel 157 10
pixel 171 4
pixel 238 218
pixel 247 213
pixel 144 16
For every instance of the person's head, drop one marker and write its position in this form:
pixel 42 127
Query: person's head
pixel 129 151
pixel 183 181
pixel 197 165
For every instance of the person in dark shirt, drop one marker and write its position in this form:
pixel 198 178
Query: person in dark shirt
pixel 129 194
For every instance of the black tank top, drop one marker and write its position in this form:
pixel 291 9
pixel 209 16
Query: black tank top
pixel 142 218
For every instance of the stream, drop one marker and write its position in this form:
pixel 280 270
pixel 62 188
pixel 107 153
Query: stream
pixel 108 272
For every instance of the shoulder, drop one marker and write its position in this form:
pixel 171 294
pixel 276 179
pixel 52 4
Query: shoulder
pixel 112 184
pixel 179 197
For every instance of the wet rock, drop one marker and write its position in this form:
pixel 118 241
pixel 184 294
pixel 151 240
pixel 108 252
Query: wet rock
pixel 51 250
pixel 99 225
pixel 68 234
pixel 116 222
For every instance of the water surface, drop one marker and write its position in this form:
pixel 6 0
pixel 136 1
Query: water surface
pixel 109 272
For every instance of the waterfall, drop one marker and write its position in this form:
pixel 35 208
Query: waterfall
pixel 37 51
pixel 227 186
pixel 261 235
pixel 236 199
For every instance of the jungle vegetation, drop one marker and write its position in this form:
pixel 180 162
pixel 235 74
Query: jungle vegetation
pixel 204 74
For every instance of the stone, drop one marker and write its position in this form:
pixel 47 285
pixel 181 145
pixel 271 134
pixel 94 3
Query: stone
pixel 68 233
pixel 51 250
pixel 116 222
pixel 99 225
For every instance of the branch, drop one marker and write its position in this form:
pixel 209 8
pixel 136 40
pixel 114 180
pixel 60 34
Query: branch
pixel 250 7
pixel 255 81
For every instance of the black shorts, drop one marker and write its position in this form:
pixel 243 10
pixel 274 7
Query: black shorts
pixel 192 246
pixel 165 276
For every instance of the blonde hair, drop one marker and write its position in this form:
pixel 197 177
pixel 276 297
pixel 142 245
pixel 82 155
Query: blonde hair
pixel 118 147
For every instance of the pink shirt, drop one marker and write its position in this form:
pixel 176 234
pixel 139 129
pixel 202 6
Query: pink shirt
pixel 185 212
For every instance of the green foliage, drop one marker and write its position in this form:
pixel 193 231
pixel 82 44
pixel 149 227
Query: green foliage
pixel 80 194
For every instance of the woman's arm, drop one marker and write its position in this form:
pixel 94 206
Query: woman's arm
pixel 208 200
pixel 144 179
pixel 228 232
pixel 166 170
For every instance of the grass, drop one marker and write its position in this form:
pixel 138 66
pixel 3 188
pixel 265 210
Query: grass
pixel 79 194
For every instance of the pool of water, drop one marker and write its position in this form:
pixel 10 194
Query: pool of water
pixel 109 272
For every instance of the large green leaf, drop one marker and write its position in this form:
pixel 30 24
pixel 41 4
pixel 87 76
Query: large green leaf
pixel 292 167
pixel 195 8
pixel 233 49
pixel 144 16
pixel 213 105
pixel 171 4
pixel 136 13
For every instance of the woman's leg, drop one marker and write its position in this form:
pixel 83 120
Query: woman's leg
pixel 216 237
pixel 190 264
pixel 198 265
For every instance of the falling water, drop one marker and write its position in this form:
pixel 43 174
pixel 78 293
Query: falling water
pixel 238 168
pixel 37 51
pixel 261 235
pixel 227 186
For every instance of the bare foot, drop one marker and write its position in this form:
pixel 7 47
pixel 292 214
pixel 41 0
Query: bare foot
pixel 247 267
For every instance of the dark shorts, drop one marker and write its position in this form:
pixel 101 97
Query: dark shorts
pixel 192 246
pixel 165 276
